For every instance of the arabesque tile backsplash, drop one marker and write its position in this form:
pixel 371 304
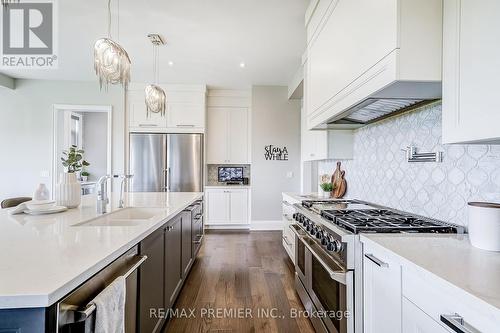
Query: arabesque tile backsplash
pixel 379 172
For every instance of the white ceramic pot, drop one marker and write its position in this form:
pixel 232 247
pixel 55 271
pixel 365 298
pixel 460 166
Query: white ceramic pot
pixel 325 195
pixel 68 191
pixel 484 225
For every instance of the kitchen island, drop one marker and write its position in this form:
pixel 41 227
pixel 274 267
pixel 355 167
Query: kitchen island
pixel 46 257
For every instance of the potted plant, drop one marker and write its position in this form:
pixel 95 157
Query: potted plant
pixel 84 175
pixel 327 189
pixel 68 190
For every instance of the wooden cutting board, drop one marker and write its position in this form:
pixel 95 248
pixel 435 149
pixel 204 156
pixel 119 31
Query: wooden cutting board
pixel 339 182
pixel 340 186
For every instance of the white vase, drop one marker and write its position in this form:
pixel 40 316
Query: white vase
pixel 68 191
pixel 325 194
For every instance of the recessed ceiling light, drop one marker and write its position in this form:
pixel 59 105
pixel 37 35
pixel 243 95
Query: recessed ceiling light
pixel 242 64
pixel 170 63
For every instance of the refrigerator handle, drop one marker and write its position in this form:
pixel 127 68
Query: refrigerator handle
pixel 167 179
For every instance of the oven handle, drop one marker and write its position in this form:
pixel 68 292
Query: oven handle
pixel 339 276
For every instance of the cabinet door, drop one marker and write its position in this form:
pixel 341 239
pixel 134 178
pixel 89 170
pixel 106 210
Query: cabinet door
pixel 138 118
pixel 416 321
pixel 238 204
pixel 313 143
pixel 187 242
pixel 218 207
pixel 238 136
pixel 151 280
pixel 217 136
pixel 173 252
pixel 381 293
pixel 471 67
pixel 186 116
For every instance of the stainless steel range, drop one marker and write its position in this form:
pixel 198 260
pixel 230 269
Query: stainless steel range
pixel 328 255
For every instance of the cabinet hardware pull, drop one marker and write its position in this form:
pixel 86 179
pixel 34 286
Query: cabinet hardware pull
pixel 169 228
pixel 457 324
pixel 376 260
pixel 184 125
pixel 148 125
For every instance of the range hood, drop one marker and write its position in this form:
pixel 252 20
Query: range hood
pixel 396 98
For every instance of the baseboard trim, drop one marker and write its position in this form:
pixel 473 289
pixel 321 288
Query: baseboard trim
pixel 227 227
pixel 266 225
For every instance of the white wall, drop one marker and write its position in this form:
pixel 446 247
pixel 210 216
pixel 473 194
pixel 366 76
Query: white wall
pixel 26 129
pixel 95 137
pixel 276 121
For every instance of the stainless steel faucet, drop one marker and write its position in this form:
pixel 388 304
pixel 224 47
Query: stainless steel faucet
pixel 102 194
pixel 123 178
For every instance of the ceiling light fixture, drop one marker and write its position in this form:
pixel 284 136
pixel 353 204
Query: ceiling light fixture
pixel 170 63
pixel 242 64
pixel 111 61
pixel 155 96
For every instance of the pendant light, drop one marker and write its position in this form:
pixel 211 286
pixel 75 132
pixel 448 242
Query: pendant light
pixel 155 96
pixel 111 61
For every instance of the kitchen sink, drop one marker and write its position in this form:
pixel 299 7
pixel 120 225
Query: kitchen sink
pixel 126 217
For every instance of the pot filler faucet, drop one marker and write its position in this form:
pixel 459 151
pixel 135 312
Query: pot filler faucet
pixel 102 192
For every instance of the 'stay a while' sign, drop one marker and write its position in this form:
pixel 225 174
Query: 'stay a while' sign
pixel 273 153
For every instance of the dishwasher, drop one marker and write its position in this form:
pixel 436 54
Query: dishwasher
pixel 75 314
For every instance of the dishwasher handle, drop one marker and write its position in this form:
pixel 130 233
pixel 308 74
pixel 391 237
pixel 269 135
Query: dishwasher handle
pixel 82 315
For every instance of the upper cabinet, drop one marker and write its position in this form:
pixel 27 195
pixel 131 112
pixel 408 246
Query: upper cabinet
pixel 323 145
pixel 185 111
pixel 471 67
pixel 228 135
pixel 358 47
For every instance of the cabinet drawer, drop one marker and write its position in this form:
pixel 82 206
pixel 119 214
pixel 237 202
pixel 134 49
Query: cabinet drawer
pixel 437 297
pixel 417 321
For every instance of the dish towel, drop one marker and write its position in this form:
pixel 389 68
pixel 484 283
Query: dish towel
pixel 110 308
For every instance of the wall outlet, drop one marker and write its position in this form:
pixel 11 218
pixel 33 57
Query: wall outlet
pixel 44 174
pixel 289 174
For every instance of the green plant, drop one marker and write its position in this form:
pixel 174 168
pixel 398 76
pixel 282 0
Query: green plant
pixel 85 174
pixel 72 159
pixel 327 187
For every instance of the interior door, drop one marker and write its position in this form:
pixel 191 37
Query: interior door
pixel 147 162
pixel 184 162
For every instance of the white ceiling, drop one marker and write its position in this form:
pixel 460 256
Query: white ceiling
pixel 206 39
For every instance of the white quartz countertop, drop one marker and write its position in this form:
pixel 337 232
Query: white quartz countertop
pixel 303 196
pixel 42 258
pixel 450 257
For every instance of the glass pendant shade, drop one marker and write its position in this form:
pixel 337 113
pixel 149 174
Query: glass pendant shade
pixel 156 99
pixel 111 63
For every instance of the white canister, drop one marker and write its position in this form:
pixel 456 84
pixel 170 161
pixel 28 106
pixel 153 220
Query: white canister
pixel 68 191
pixel 484 225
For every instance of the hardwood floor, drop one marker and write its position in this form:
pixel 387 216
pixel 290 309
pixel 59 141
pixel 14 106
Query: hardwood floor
pixel 246 274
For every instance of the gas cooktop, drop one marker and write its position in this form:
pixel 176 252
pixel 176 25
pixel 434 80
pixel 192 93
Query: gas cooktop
pixel 358 216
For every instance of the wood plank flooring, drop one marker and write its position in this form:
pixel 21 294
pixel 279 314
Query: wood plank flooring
pixel 247 274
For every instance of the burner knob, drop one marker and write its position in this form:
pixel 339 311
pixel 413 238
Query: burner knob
pixel 331 246
pixel 296 216
pixel 319 234
pixel 313 231
pixel 324 241
pixel 308 226
pixel 338 246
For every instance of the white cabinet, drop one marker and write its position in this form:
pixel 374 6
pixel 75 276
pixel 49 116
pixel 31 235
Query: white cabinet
pixel 227 207
pixel 288 236
pixel 185 110
pixel 325 144
pixel 358 47
pixel 416 321
pixel 471 68
pixel 228 133
pixel 381 292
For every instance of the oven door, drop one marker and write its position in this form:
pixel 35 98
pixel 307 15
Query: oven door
pixel 330 288
pixel 300 253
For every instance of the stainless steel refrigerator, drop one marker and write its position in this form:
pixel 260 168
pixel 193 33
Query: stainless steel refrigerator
pixel 166 162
